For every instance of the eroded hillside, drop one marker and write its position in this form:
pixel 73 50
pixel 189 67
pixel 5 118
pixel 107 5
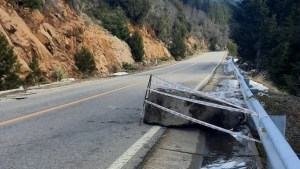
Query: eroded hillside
pixel 55 30
pixel 55 34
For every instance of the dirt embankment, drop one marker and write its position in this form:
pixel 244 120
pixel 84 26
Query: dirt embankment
pixel 278 104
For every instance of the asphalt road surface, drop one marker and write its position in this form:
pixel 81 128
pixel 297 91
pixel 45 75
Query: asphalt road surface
pixel 88 125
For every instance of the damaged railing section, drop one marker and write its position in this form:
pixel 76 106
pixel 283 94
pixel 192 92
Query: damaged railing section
pixel 223 104
pixel 279 153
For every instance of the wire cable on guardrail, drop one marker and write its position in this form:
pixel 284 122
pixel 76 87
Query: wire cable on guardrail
pixel 235 134
pixel 204 103
pixel 179 87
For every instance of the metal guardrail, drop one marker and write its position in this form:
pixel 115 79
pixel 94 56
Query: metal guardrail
pixel 279 153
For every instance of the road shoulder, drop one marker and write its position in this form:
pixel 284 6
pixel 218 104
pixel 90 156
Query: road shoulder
pixel 188 148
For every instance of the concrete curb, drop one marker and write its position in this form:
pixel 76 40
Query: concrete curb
pixel 208 78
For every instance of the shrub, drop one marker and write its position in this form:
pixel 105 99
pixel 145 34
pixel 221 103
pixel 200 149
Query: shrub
pixel 9 66
pixel 135 10
pixel 137 47
pixel 127 66
pixel 164 59
pixel 114 69
pixel 114 20
pixel 59 74
pixel 32 4
pixel 85 61
pixel 35 75
pixel 232 48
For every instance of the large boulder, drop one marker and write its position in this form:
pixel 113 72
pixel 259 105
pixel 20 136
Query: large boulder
pixel 215 116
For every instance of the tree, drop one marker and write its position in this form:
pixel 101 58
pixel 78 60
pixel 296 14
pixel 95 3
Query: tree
pixel 267 33
pixel 85 62
pixel 232 48
pixel 35 75
pixel 136 10
pixel 32 4
pixel 114 20
pixel 137 46
pixel 251 32
pixel 178 46
pixel 9 66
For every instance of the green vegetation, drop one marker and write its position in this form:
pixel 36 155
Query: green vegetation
pixel 127 66
pixel 59 74
pixel 114 20
pixel 177 47
pixel 211 21
pixel 137 46
pixel 32 4
pixel 267 33
pixel 136 10
pixel 210 25
pixel 9 66
pixel 218 11
pixel 35 75
pixel 164 59
pixel 85 62
pixel 172 30
pixel 232 48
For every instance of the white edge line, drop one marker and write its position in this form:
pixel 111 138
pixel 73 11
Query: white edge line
pixel 129 153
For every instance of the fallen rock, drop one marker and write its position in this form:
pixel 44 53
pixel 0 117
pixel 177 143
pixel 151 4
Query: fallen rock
pixel 218 117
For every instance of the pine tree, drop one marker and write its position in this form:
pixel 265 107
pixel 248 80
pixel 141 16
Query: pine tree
pixel 35 75
pixel 267 33
pixel 137 46
pixel 250 33
pixel 9 66
pixel 178 47
pixel 85 62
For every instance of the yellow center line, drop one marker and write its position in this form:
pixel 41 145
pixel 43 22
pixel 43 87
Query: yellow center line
pixel 21 118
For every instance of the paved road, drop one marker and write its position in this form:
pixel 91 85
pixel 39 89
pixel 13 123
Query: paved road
pixel 86 125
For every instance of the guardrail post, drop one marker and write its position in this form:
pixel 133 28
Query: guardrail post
pixel 146 97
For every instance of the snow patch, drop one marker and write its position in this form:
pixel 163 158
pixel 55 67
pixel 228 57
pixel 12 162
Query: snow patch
pixel 120 74
pixel 222 164
pixel 257 86
pixel 68 80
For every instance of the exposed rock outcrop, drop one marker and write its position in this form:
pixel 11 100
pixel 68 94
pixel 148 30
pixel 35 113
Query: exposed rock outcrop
pixel 154 48
pixel 55 34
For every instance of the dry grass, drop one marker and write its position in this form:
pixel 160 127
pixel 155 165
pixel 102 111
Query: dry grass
pixel 262 78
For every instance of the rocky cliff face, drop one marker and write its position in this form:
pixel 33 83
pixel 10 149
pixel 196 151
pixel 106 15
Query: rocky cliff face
pixel 154 48
pixel 55 34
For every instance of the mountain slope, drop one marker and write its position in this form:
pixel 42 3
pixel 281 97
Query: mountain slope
pixel 55 35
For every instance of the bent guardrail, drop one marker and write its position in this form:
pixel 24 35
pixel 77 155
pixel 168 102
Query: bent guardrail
pixel 279 153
